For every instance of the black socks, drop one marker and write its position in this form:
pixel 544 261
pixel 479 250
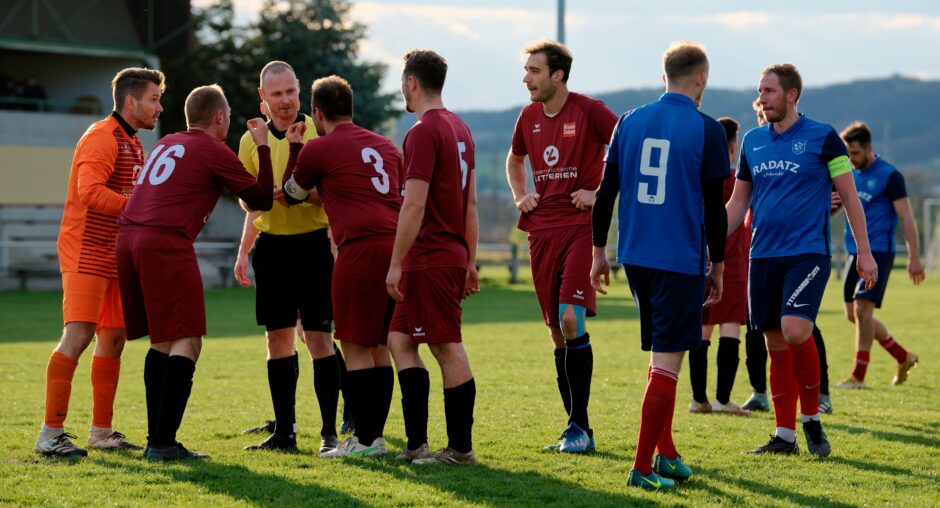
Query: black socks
pixel 326 386
pixel 415 388
pixel 154 369
pixel 282 380
pixel 579 368
pixel 562 379
pixel 823 363
pixel 756 361
pixel 177 385
pixel 369 391
pixel 458 411
pixel 728 360
pixel 698 371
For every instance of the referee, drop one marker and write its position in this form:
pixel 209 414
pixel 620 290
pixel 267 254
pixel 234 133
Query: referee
pixel 290 237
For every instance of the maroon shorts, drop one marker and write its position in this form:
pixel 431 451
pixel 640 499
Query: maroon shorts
pixel 431 311
pixel 161 287
pixel 731 309
pixel 561 269
pixel 362 308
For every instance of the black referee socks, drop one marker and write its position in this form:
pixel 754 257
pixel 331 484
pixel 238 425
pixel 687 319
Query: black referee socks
pixel 282 381
pixel 326 386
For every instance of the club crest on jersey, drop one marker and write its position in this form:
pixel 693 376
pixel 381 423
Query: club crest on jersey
pixel 568 129
pixel 871 184
pixel 550 155
pixel 799 146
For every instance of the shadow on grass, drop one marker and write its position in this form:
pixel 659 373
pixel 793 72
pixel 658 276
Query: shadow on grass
pixel 913 439
pixel 765 488
pixel 240 483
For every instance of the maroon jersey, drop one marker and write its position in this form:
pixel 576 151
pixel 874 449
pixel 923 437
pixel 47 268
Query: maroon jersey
pixel 182 181
pixel 356 173
pixel 439 150
pixel 737 245
pixel 566 152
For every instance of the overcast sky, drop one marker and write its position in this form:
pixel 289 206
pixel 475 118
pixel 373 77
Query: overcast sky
pixel 618 43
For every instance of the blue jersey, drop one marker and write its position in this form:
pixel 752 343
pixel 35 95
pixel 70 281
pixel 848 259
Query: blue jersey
pixel 879 186
pixel 792 177
pixel 664 151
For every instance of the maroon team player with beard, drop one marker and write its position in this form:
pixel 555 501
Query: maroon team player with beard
pixel 564 134
pixel 161 286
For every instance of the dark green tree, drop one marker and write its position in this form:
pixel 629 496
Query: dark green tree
pixel 315 36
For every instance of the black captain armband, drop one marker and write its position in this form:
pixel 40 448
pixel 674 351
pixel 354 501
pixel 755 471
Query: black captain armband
pixel 294 194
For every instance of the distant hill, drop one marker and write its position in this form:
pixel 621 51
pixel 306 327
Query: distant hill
pixel 902 113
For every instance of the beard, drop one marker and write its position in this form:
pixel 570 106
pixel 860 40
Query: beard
pixel 543 93
pixel 778 113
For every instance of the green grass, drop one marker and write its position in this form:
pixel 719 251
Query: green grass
pixel 886 439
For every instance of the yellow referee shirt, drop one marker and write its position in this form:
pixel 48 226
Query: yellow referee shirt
pixel 282 220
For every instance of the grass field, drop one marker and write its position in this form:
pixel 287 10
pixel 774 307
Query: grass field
pixel 886 439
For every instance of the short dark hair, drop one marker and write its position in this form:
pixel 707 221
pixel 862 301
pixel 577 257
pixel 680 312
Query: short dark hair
pixel 789 77
pixel 428 67
pixel 857 132
pixel 333 96
pixel 558 56
pixel 134 81
pixel 731 128
pixel 683 59
pixel 203 103
pixel 275 67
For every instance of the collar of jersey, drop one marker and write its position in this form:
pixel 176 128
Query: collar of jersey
pixel 124 125
pixel 280 134
pixel 789 133
pixel 677 98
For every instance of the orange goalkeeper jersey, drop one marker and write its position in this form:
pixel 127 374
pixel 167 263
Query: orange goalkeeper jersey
pixel 104 166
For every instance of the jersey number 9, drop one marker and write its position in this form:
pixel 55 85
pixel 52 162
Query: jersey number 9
pixel 647 168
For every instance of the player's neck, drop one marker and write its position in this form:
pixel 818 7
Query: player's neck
pixel 787 122
pixel 329 127
pixel 552 106
pixel 128 119
pixel 428 104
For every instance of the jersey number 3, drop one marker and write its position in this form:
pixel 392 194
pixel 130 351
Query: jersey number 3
pixel 658 170
pixel 371 156
pixel 161 164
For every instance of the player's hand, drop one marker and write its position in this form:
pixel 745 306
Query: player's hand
pixel 393 283
pixel 295 133
pixel 279 196
pixel 583 199
pixel 867 269
pixel 527 203
pixel 714 284
pixel 915 271
pixel 600 268
pixel 314 198
pixel 259 131
pixel 472 284
pixel 836 202
pixel 241 271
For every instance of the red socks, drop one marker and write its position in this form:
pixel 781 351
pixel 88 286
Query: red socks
pixel 659 402
pixel 105 371
pixel 861 365
pixel 783 388
pixel 806 371
pixel 895 349
pixel 59 374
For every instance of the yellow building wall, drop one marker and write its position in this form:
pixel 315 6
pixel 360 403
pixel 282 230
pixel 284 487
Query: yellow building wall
pixel 34 175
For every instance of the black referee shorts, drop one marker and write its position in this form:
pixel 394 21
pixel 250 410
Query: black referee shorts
pixel 293 274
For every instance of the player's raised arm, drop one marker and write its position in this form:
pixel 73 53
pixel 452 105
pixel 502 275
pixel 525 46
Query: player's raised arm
pixel 260 196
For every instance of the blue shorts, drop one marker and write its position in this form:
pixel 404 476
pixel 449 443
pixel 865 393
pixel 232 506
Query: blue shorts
pixel 670 307
pixel 786 286
pixel 853 286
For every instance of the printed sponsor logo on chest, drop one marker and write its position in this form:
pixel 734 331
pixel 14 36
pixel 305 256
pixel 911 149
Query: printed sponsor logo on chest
pixel 568 129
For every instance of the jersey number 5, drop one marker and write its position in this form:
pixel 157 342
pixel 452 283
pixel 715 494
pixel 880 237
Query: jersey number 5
pixel 161 164
pixel 464 167
pixel 371 156
pixel 643 194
